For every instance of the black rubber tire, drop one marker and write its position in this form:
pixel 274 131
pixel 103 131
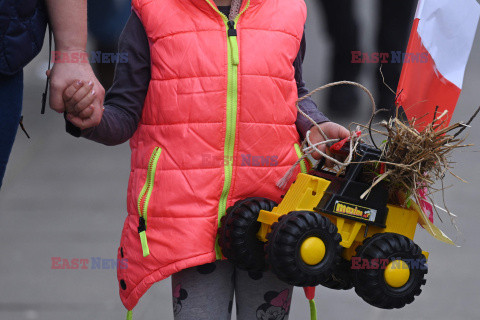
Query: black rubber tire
pixel 285 240
pixel 237 234
pixel 370 284
pixel 341 278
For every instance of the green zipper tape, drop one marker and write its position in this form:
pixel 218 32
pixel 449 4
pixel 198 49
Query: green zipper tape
pixel 303 166
pixel 144 197
pixel 232 96
pixel 151 179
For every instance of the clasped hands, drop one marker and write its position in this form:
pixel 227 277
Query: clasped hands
pixel 81 100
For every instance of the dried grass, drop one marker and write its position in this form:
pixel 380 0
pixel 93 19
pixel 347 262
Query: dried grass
pixel 413 160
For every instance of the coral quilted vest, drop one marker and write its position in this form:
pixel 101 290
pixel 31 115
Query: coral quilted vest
pixel 218 125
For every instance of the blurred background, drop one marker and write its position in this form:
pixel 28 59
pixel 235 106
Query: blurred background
pixel 65 197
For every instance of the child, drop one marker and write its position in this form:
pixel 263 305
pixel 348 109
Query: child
pixel 207 86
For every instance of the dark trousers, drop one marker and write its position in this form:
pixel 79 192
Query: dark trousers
pixel 11 97
pixel 395 17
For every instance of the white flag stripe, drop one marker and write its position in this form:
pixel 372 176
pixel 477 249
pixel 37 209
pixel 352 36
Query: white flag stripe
pixel 447 29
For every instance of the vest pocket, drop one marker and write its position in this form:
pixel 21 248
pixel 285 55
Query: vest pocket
pixel 144 198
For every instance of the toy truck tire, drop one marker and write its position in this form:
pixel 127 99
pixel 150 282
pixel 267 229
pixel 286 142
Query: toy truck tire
pixel 237 234
pixel 374 285
pixel 341 278
pixel 285 245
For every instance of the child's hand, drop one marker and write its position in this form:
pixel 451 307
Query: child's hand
pixel 333 131
pixel 79 98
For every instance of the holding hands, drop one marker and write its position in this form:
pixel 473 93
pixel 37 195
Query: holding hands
pixel 82 105
pixel 81 100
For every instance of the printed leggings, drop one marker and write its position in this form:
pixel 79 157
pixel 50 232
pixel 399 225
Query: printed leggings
pixel 206 293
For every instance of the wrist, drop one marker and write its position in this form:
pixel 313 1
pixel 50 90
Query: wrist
pixel 71 49
pixel 78 56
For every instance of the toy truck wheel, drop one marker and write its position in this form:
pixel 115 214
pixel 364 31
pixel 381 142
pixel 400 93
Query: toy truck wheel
pixel 237 234
pixel 341 278
pixel 303 248
pixel 389 271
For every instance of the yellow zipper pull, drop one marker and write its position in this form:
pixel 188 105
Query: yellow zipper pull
pixel 232 39
pixel 142 228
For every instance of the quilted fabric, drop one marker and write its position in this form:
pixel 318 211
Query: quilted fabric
pixel 22 29
pixel 185 114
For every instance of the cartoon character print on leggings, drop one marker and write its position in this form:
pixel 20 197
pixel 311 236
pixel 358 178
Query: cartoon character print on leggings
pixel 179 295
pixel 276 307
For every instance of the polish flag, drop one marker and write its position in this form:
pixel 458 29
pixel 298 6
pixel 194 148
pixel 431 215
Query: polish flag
pixel 437 53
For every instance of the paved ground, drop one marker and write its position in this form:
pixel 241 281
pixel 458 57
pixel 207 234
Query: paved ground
pixel 65 197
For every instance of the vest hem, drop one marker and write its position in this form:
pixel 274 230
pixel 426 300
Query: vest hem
pixel 162 273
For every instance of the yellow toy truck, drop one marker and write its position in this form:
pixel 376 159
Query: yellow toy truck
pixel 322 232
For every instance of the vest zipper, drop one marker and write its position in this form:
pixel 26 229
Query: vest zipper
pixel 232 95
pixel 144 198
pixel 303 163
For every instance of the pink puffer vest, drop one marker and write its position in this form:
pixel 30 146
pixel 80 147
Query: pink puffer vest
pixel 218 125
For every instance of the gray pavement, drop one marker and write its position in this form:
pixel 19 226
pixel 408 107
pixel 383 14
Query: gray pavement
pixel 65 197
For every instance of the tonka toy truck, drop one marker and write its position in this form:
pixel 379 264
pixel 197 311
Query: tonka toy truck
pixel 322 232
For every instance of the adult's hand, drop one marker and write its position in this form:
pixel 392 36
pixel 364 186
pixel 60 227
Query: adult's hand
pixel 68 20
pixel 64 75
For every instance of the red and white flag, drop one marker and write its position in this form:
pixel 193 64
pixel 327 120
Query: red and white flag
pixel 437 53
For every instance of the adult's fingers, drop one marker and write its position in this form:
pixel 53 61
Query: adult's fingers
pixel 56 96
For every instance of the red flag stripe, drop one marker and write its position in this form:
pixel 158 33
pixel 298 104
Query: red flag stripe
pixel 422 87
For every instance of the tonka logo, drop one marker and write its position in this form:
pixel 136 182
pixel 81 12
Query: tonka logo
pixel 354 210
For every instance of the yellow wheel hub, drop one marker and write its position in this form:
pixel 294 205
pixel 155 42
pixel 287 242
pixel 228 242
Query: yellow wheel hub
pixel 312 250
pixel 397 273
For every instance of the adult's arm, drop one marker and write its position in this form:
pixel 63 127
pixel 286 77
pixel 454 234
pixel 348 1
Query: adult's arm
pixel 68 20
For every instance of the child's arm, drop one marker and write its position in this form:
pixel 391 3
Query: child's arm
pixel 332 130
pixel 124 101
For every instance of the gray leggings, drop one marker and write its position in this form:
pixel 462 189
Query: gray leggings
pixel 206 293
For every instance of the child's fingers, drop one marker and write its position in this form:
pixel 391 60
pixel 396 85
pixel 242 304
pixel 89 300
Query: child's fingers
pixel 81 99
pixel 71 90
pixel 82 92
pixel 86 112
pixel 92 121
pixel 83 104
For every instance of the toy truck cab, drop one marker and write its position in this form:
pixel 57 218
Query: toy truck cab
pixel 343 195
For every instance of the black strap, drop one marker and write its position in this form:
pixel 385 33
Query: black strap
pixel 44 95
pixel 23 127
